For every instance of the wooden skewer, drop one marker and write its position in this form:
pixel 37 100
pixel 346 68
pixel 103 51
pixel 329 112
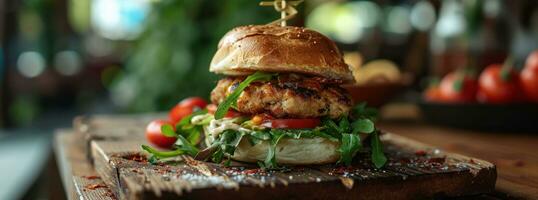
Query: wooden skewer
pixel 283 12
pixel 286 9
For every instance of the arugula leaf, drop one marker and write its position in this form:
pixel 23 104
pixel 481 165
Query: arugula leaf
pixel 255 137
pixel 378 157
pixel 261 135
pixel 253 141
pixel 331 125
pixel 344 125
pixel 232 98
pixel 184 145
pixel 191 131
pixel 187 119
pixel 195 135
pixel 270 159
pixel 363 111
pixel 319 133
pixel 229 141
pixel 351 143
pixel 168 131
pixel 162 154
pixel 363 126
pixel 217 156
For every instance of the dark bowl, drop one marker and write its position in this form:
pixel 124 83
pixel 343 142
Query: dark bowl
pixel 483 117
pixel 377 93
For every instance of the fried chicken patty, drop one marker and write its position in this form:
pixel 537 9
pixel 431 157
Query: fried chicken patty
pixel 288 96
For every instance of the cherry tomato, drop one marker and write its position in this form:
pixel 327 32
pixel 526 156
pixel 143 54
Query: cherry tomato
pixel 496 87
pixel 532 60
pixel 212 108
pixel 291 123
pixel 458 87
pixel 154 135
pixel 433 93
pixel 186 107
pixel 529 81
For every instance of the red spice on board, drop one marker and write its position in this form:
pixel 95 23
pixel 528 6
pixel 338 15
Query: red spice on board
pixel 136 157
pixel 438 160
pixel 110 194
pixel 519 163
pixel 252 171
pixel 420 153
pixel 95 186
pixel 91 177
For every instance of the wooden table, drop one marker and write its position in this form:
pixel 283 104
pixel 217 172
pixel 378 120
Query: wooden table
pixel 515 155
pixel 517 163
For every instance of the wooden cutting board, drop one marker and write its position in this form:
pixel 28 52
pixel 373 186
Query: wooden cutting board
pixel 414 171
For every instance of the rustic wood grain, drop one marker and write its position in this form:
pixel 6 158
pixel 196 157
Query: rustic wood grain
pixel 112 127
pixel 406 176
pixel 75 170
pixel 514 154
pixel 92 189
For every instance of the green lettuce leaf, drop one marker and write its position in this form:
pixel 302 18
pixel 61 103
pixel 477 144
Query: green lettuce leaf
pixel 270 159
pixel 184 145
pixel 162 154
pixel 378 157
pixel 363 126
pixel 351 143
pixel 232 98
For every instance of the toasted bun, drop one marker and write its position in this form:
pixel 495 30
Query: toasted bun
pixel 271 48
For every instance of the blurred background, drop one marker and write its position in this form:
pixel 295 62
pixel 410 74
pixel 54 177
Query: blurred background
pixel 63 58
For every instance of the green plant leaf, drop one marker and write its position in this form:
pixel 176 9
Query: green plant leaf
pixel 350 144
pixel 344 125
pixel 162 154
pixel 270 159
pixel 330 125
pixel 361 110
pixel 378 156
pixel 184 145
pixel 168 131
pixel 458 83
pixel 232 98
pixel 229 141
pixel 363 126
pixel 217 156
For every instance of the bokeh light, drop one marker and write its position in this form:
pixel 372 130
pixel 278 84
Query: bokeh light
pixel 67 63
pixel 119 19
pixel 30 64
pixel 423 16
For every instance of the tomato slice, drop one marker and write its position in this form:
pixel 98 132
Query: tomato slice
pixel 212 108
pixel 291 123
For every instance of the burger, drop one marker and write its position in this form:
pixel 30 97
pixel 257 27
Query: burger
pixel 279 103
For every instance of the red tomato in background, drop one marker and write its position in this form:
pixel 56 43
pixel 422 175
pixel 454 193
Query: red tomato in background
pixel 433 93
pixel 155 137
pixel 291 123
pixel 212 108
pixel 186 107
pixel 492 88
pixel 532 60
pixel 454 92
pixel 529 77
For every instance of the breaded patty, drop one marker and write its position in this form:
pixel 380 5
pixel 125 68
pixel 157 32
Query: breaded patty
pixel 288 96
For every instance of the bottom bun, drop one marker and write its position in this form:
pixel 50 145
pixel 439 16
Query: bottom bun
pixel 303 151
